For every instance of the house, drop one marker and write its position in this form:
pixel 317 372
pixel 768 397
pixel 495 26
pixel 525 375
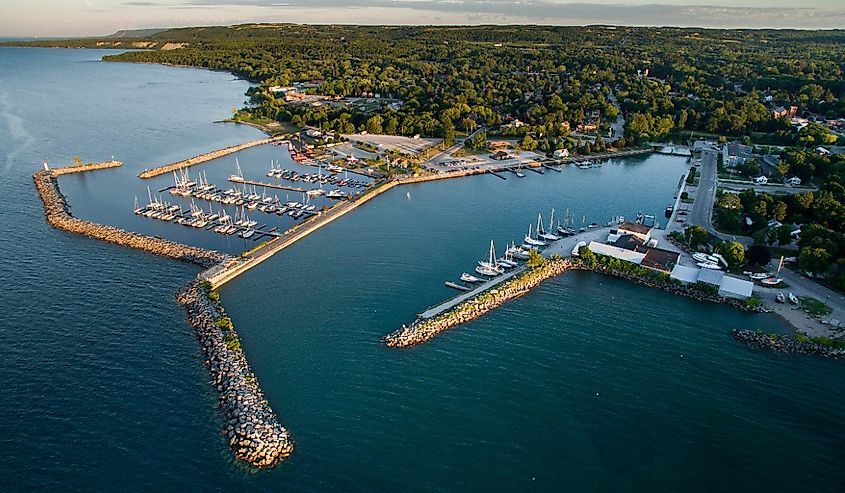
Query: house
pixel 587 128
pixel 760 180
pixel 821 151
pixel 642 232
pixel 792 181
pixel 626 241
pixel 779 112
pixel 561 153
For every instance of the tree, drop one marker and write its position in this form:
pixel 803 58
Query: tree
pixel 733 251
pixel 784 234
pixel 695 236
pixel 814 259
pixel 448 132
pixel 758 255
pixel 535 260
pixel 374 124
pixel 588 257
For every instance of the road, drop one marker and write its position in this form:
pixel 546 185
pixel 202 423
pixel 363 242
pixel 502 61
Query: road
pixel 618 127
pixel 705 195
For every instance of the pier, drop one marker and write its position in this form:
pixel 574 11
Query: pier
pixel 202 158
pixel 270 185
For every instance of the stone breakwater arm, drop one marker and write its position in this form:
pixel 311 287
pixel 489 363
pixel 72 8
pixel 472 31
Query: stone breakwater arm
pixel 251 427
pixel 786 344
pixel 208 156
pixel 58 216
pixel 426 329
pixel 86 167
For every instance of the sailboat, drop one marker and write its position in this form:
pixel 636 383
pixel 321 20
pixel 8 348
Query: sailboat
pixel 532 241
pixel 775 280
pixel 491 266
pixel 238 177
pixel 541 232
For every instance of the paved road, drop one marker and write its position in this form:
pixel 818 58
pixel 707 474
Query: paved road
pixel 619 126
pixel 705 195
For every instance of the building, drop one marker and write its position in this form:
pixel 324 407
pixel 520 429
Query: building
pixel 760 180
pixel 730 287
pixel 500 156
pixel 779 112
pixel 659 259
pixel 561 153
pixel 736 153
pixel 616 252
pixel 642 232
pixel 792 181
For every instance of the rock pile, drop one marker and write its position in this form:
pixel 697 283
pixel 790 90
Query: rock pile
pixel 785 344
pixel 251 428
pixel 58 216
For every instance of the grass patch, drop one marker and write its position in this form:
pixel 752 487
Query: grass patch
pixel 814 307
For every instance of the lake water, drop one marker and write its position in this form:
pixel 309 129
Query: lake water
pixel 587 383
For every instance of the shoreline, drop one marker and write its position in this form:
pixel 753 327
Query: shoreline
pixel 424 329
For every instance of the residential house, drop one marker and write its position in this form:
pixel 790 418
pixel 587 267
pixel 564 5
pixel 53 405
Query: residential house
pixel 792 181
pixel 642 232
pixel 735 153
pixel 561 153
pixel 760 180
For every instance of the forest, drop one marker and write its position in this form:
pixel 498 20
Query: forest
pixel 552 79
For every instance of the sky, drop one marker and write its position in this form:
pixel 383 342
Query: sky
pixel 44 18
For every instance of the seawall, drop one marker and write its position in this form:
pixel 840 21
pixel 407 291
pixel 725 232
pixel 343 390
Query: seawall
pixel 208 156
pixel 251 427
pixel 58 215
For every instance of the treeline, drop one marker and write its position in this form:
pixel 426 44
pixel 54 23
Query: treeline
pixel 551 78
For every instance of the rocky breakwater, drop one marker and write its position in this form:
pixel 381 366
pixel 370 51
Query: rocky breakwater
pixel 423 330
pixel 59 216
pixel 208 156
pixel 786 344
pixel 251 427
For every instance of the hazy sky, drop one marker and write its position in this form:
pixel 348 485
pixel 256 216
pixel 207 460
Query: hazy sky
pixel 95 17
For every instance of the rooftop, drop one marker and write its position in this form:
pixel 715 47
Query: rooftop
pixel 634 228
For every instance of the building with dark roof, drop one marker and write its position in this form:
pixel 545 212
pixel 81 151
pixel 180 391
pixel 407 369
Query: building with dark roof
pixel 636 229
pixel 659 259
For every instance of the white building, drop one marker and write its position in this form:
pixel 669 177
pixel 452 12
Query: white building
pixel 760 180
pixel 792 181
pixel 561 153
pixel 729 287
pixel 616 252
pixel 635 229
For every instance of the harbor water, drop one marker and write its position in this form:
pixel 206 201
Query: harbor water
pixel 587 383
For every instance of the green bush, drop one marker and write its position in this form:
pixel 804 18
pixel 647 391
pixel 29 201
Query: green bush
pixel 224 324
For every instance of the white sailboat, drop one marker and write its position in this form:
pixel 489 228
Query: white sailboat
pixel 529 240
pixel 541 232
pixel 239 175
pixel 490 267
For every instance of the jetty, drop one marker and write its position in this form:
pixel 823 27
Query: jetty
pixel 59 216
pixel 268 185
pixel 208 156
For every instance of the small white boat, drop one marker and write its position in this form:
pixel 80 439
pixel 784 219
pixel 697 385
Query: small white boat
pixel 470 278
pixel 793 299
pixel 759 276
pixel 486 271
pixel 247 233
pixel 335 194
pixel 708 265
pixel 700 257
pixel 577 248
pixel 780 298
pixel 772 281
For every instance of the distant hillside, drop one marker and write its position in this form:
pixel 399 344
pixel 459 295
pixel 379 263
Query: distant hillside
pixel 136 33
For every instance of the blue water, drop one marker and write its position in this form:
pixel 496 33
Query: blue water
pixel 587 383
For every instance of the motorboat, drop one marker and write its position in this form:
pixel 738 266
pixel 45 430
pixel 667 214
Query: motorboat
pixel 708 265
pixel 470 278
pixel 247 233
pixel 700 257
pixel 793 299
pixel 759 276
pixel 335 194
pixel 780 298
pixel 772 281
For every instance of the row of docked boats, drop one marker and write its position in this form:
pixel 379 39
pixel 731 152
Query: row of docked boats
pixel 537 237
pixel 705 261
pixel 330 178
